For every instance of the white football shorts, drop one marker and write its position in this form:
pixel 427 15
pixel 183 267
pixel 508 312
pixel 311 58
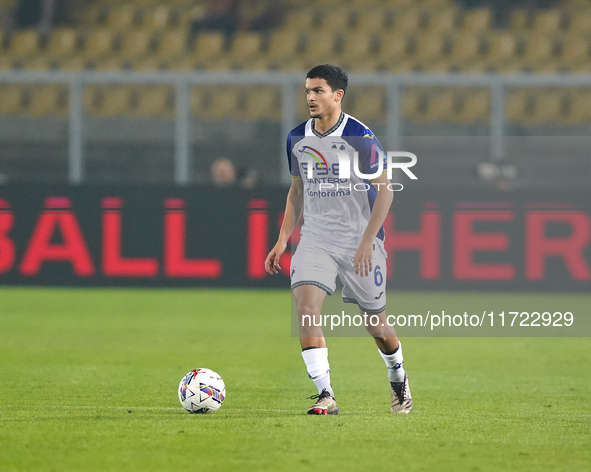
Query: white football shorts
pixel 314 264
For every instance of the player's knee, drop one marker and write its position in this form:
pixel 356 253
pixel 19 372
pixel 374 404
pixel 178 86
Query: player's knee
pixel 306 309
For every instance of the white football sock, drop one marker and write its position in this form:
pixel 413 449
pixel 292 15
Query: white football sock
pixel 394 362
pixel 318 369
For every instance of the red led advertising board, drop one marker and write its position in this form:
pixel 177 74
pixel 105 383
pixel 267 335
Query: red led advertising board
pixel 204 236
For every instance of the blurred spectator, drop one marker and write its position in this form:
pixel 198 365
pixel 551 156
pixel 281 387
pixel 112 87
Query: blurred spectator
pixel 261 15
pixel 229 16
pixel 248 178
pixel 223 172
pixel 41 14
pixel 502 176
pixel 220 15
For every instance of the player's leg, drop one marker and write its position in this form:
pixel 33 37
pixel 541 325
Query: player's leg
pixel 390 350
pixel 309 299
pixel 369 293
pixel 313 276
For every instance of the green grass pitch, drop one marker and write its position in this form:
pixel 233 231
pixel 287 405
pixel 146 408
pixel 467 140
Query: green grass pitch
pixel 88 381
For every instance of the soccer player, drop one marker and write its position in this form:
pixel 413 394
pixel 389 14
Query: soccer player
pixel 342 234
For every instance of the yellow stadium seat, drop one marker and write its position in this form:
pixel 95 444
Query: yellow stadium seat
pixel 157 18
pixel 539 48
pixel 371 21
pixel 442 21
pixel 48 99
pixel 198 101
pixel 63 42
pixel 393 48
pixel 477 21
pixel 259 64
pixel 501 48
pixel 297 63
pixel 94 14
pixel 246 46
pixel 428 47
pixel 549 107
pixel 580 23
pixel 579 109
pixel 183 63
pixel 475 107
pixel 550 67
pixel 148 64
pixel 136 44
pixel 442 106
pixel 172 43
pixel 283 44
pixel 575 50
pixel 24 43
pixel 581 68
pixel 99 43
pixel 11 97
pixel 548 22
pixel 336 20
pixel 224 103
pixel 320 46
pixel 301 19
pixel 402 66
pixel 408 21
pixel 475 67
pixel 370 104
pixel 437 66
pixel 513 66
pixel 122 17
pixel 263 103
pixel 145 3
pixel 465 48
pixel 362 64
pixel 520 19
pixel 114 101
pixel 518 106
pixel 6 63
pixel 357 45
pixel 415 103
pixel 153 101
pixel 208 46
pixel 92 96
pixel 73 63
pixel 111 64
pixel 327 3
pixel 39 63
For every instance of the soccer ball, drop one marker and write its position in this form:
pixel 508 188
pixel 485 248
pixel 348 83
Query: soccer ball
pixel 202 391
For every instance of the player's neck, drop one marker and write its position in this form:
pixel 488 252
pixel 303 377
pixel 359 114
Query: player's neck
pixel 326 122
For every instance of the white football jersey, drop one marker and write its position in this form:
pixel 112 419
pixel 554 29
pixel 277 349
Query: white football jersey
pixel 336 210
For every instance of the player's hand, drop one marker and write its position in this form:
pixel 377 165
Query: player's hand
pixel 272 261
pixel 362 262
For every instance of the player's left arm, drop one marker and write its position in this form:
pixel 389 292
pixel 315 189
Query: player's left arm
pixel 363 257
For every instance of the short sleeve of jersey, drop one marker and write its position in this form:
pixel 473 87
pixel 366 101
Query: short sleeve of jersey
pixel 293 139
pixel 370 151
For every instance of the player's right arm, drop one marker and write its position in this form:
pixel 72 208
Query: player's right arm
pixel 293 212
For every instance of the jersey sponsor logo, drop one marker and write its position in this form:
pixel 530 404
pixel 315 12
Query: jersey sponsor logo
pixel 315 154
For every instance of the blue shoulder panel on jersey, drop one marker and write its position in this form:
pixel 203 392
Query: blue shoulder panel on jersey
pixel 298 132
pixel 355 128
pixel 367 145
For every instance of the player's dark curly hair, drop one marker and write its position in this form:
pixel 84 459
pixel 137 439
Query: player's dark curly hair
pixel 335 77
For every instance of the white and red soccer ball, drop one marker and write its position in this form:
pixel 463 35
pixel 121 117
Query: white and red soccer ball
pixel 202 391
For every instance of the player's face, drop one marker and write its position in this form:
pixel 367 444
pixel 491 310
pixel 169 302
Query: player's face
pixel 321 99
